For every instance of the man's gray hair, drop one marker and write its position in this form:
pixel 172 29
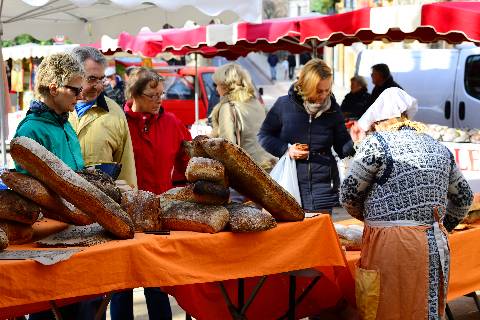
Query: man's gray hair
pixel 82 54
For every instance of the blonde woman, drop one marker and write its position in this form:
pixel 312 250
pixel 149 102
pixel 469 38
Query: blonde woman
pixel 408 190
pixel 308 123
pixel 238 116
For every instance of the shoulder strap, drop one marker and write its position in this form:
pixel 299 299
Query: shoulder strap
pixel 236 124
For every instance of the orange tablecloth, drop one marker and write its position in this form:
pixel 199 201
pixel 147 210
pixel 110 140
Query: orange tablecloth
pixel 178 259
pixel 464 264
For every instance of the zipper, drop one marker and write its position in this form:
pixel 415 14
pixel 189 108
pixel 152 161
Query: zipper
pixel 308 160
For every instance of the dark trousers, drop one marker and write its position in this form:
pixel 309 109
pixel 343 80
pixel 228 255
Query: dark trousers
pixel 291 72
pixel 83 310
pixel 158 305
pixel 68 313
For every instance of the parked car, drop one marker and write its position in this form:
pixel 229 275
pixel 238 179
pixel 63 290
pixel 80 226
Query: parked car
pixel 180 91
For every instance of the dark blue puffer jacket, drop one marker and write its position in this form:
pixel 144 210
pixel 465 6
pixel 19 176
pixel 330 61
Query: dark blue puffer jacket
pixel 288 123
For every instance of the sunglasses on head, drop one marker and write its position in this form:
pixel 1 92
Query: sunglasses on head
pixel 75 90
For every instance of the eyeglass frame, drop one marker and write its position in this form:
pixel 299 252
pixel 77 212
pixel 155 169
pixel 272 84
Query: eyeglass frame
pixel 75 90
pixel 95 80
pixel 152 96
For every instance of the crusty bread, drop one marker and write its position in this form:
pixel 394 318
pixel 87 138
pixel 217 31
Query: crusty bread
pixel 53 172
pixel 103 182
pixel 245 218
pixel 52 205
pixel 249 179
pixel 3 240
pixel 189 216
pixel 203 192
pixel 73 236
pixel 205 169
pixel 144 209
pixel 194 148
pixel 302 146
pixel 17 233
pixel 14 207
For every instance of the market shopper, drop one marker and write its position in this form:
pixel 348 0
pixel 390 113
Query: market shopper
pixel 58 84
pixel 157 138
pixel 99 121
pixel 310 116
pixel 114 86
pixel 239 115
pixel 356 101
pixel 382 79
pixel 407 189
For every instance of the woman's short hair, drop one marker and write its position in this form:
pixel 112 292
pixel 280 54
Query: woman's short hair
pixel 138 81
pixel 311 74
pixel 236 82
pixel 59 69
pixel 360 80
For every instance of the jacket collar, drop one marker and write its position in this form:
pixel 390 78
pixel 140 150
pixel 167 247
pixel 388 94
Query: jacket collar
pixel 101 102
pixel 298 101
pixel 140 115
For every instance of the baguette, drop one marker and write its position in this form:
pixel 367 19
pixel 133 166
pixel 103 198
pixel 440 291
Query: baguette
pixel 245 218
pixel 14 207
pixel 205 169
pixel 144 209
pixel 17 233
pixel 53 206
pixel 249 179
pixel 53 172
pixel 3 240
pixel 188 216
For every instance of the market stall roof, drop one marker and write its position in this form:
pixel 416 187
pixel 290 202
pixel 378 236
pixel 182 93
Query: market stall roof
pixel 85 21
pixel 33 50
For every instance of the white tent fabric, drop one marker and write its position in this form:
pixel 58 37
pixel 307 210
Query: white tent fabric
pixel 85 21
pixel 33 50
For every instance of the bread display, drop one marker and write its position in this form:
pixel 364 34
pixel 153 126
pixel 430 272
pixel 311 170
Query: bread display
pixel 52 205
pixel 245 218
pixel 143 207
pixel 189 216
pixel 17 233
pixel 49 169
pixel 205 169
pixel 350 236
pixel 103 182
pixel 249 179
pixel 3 240
pixel 203 192
pixel 77 236
pixel 194 148
pixel 14 207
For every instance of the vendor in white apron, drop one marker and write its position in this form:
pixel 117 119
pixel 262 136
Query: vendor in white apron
pixel 407 189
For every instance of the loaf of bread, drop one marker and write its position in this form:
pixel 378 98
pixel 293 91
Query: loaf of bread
pixel 245 176
pixel 194 148
pixel 17 233
pixel 245 218
pixel 74 236
pixel 103 182
pixel 14 207
pixel 203 192
pixel 54 173
pixel 189 216
pixel 3 240
pixel 472 217
pixel 52 205
pixel 143 207
pixel 205 169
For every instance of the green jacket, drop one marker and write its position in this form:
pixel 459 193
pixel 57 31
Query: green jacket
pixel 55 134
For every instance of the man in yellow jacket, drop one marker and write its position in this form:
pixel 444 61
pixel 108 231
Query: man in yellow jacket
pixel 99 121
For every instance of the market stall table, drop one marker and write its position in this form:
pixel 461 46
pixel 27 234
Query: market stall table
pixel 181 258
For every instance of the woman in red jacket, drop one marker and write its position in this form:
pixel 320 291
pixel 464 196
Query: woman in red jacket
pixel 157 138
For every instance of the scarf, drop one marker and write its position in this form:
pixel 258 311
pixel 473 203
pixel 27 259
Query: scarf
pixel 39 107
pixel 316 109
pixel 83 106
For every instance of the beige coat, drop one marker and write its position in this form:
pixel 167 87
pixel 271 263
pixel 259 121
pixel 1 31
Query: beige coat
pixel 250 118
pixel 104 137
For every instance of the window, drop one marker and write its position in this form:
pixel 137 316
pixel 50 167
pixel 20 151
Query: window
pixel 180 89
pixel 472 76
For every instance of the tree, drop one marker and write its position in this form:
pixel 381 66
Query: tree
pixel 322 6
pixel 275 8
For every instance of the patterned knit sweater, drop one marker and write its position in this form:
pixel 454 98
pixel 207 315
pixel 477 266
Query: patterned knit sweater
pixel 404 175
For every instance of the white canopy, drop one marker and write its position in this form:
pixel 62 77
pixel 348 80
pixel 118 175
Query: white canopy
pixel 34 50
pixel 85 21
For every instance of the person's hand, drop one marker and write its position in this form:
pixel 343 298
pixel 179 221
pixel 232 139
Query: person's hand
pixel 356 132
pixel 298 151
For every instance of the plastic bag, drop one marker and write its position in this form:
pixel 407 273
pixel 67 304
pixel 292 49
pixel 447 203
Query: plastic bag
pixel 285 173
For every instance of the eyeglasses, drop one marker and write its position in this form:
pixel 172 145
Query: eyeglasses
pixel 155 96
pixel 95 80
pixel 75 90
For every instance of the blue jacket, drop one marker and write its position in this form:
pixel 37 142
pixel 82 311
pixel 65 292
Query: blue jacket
pixel 288 123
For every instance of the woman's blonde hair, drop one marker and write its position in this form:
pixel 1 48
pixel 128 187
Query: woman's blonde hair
pixel 57 69
pixel 139 79
pixel 311 74
pixel 235 81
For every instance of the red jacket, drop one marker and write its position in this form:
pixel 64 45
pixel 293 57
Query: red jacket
pixel 157 147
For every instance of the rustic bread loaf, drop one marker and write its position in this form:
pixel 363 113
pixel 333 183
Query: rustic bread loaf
pixel 144 209
pixel 74 236
pixel 205 169
pixel 103 182
pixel 194 148
pixel 203 192
pixel 49 169
pixel 189 216
pixel 17 233
pixel 14 207
pixel 249 179
pixel 3 240
pixel 52 205
pixel 245 218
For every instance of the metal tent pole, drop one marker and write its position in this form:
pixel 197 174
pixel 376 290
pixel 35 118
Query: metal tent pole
pixel 197 89
pixel 2 97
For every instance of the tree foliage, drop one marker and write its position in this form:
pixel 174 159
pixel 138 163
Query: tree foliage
pixel 322 6
pixel 23 39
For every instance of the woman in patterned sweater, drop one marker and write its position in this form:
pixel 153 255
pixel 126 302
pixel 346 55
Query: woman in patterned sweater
pixel 407 189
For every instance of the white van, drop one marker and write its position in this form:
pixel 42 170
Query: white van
pixel 446 82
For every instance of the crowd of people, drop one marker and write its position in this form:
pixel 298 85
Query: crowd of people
pixel 403 184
